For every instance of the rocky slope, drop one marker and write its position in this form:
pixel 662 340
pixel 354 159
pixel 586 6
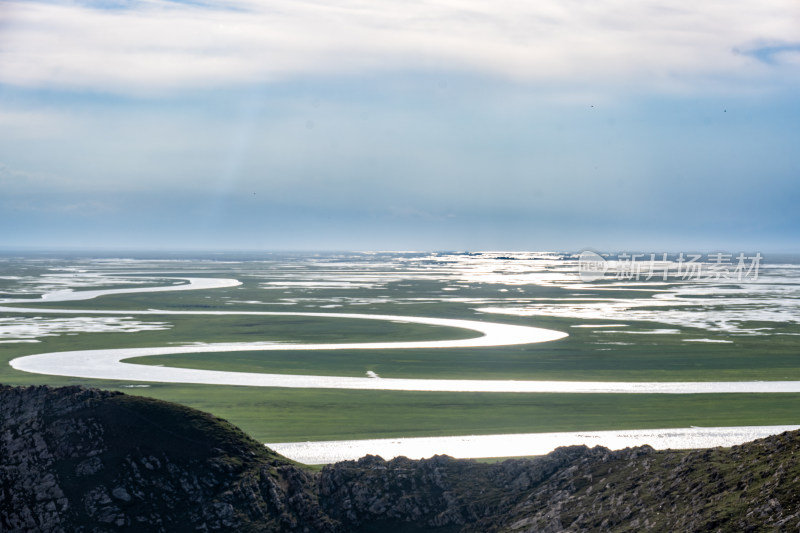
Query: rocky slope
pixel 74 459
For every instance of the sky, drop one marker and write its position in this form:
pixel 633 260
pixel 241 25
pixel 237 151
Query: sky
pixel 400 125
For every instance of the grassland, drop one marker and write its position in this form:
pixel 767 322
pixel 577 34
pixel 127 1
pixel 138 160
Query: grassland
pixel 277 415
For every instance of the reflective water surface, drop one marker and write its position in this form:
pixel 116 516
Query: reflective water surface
pixel 521 444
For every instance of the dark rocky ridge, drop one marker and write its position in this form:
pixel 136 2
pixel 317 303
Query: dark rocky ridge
pixel 74 459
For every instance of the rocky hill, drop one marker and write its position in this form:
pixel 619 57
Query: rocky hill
pixel 82 460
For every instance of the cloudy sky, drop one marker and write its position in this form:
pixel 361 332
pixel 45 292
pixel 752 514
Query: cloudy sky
pixel 414 124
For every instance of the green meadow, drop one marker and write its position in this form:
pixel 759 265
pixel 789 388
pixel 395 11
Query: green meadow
pixel 630 353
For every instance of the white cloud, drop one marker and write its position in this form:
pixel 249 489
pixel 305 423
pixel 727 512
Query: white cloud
pixel 157 46
pixel 83 209
pixel 14 179
pixel 31 124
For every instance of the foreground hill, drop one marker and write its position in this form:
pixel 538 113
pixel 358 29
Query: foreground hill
pixel 75 459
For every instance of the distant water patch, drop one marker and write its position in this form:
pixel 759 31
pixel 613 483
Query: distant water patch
pixel 514 445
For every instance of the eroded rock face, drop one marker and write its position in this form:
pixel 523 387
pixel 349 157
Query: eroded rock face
pixel 435 492
pixel 85 460
pixel 81 460
pixel 31 445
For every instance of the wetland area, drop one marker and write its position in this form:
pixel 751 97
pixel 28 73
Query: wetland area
pixel 332 356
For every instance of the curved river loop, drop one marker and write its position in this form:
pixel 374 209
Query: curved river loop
pixel 110 364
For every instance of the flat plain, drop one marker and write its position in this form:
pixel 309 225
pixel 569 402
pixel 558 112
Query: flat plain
pixel 681 330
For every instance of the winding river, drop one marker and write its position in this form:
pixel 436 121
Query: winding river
pixel 110 364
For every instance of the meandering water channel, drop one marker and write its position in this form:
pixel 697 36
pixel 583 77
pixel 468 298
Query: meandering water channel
pixel 110 364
